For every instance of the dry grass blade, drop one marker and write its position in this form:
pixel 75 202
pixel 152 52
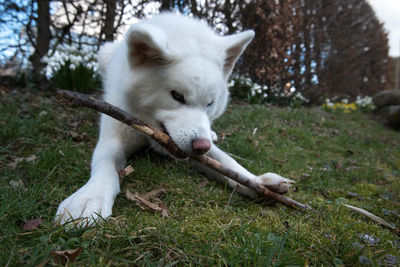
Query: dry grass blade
pixel 373 217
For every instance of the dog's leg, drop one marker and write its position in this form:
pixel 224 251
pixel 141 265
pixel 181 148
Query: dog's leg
pixel 272 180
pixel 96 198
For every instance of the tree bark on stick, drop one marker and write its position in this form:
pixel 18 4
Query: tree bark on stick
pixel 74 99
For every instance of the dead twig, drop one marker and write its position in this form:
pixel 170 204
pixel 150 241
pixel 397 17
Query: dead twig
pixel 74 99
pixel 374 218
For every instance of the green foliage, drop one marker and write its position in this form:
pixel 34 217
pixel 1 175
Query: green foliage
pixel 76 78
pixel 244 88
pixel 363 104
pixel 328 155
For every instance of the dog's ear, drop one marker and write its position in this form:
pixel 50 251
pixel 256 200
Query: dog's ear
pixel 236 44
pixel 146 44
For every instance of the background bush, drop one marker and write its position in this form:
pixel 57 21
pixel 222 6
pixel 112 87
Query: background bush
pixel 78 78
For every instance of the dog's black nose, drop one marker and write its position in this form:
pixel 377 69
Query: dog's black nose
pixel 201 145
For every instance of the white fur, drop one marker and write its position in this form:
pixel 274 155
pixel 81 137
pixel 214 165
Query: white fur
pixel 168 52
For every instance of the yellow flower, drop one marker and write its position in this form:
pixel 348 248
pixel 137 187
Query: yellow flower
pixel 346 108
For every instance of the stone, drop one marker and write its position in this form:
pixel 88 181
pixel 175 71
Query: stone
pixel 394 115
pixel 391 114
pixel 386 98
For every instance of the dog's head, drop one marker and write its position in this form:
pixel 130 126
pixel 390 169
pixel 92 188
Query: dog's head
pixel 179 69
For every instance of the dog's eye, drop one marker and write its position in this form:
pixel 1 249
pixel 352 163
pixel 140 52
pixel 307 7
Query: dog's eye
pixel 210 104
pixel 178 97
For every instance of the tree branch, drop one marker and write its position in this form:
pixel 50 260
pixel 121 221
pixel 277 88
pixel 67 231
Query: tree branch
pixel 74 99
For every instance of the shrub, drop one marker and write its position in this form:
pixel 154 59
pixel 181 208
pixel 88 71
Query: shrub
pixel 244 88
pixel 73 68
pixel 76 78
pixel 363 104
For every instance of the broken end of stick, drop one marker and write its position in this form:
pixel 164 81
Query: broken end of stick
pixel 286 200
pixel 301 206
pixel 306 207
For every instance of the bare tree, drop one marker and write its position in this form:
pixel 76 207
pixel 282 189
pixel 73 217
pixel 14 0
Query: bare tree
pixel 45 24
pixel 357 62
pixel 41 43
pixel 36 31
pixel 320 48
pixel 269 60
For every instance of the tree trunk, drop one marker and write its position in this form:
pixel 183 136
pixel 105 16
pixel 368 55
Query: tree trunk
pixel 108 27
pixel 43 38
pixel 167 5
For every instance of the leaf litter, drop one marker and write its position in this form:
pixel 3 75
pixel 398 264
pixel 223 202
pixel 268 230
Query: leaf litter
pixel 32 158
pixel 124 173
pixel 65 257
pixel 15 184
pixel 150 201
pixel 31 224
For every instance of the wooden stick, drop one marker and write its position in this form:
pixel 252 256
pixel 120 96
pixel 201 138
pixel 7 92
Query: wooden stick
pixel 74 99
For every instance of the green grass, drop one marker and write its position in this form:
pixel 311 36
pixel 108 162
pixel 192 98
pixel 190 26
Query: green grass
pixel 328 155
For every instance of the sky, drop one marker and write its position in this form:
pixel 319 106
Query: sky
pixel 388 12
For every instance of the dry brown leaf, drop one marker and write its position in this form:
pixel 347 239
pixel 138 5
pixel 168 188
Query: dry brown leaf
pixel 76 136
pixel 66 256
pixel 142 201
pixel 129 195
pixel 164 209
pixel 73 124
pixel 31 158
pixel 15 184
pixel 31 224
pixel 132 197
pixel 145 203
pixel 155 193
pixel 125 172
pixel 14 164
pixel 73 134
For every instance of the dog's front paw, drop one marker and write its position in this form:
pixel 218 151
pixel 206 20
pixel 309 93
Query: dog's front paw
pixel 214 136
pixel 275 182
pixel 87 205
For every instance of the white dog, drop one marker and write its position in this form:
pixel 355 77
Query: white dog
pixel 170 71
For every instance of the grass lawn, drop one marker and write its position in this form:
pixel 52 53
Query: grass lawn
pixel 45 155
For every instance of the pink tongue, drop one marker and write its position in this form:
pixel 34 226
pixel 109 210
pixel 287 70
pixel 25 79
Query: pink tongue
pixel 201 146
